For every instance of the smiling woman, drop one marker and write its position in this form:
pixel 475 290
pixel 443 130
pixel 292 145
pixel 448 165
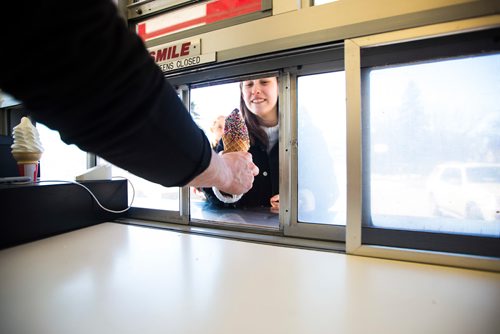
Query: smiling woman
pixel 256 101
pixel 259 107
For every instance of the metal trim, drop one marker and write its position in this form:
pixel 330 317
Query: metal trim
pixel 354 244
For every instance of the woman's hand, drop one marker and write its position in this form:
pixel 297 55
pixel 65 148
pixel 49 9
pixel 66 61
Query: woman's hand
pixel 275 203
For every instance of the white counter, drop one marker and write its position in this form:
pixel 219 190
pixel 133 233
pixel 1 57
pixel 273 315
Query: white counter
pixel 114 278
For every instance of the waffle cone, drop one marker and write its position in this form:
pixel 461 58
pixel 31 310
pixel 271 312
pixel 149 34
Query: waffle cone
pixel 27 157
pixel 235 145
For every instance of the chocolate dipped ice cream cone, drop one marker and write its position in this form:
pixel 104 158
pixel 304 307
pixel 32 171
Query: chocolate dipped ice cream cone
pixel 235 137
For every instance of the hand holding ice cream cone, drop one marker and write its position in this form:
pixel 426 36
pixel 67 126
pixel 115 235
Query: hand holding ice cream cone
pixel 27 148
pixel 235 139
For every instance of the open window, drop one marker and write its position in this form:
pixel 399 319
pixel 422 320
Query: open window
pixel 210 105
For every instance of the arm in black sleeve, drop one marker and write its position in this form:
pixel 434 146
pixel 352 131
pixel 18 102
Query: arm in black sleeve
pixel 208 192
pixel 78 69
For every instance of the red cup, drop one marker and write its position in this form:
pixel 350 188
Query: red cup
pixel 30 170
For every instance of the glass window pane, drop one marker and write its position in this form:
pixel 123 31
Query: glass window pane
pixel 59 161
pixel 209 107
pixel 321 148
pixel 435 146
pixel 148 195
pixel 208 104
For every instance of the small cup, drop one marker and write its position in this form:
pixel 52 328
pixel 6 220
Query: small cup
pixel 28 169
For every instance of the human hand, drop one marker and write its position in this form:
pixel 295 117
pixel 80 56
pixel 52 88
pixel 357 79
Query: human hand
pixel 232 173
pixel 241 172
pixel 197 193
pixel 275 203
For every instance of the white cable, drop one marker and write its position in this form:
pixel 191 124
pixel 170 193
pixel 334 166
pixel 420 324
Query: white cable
pixel 94 197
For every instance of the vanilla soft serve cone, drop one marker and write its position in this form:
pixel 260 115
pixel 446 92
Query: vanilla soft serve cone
pixel 27 148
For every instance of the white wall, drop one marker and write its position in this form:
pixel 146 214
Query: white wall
pixel 294 25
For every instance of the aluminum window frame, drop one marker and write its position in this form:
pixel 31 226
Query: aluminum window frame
pixel 228 225
pixel 357 208
pixel 295 227
pixel 287 65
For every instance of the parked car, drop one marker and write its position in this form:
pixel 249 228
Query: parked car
pixel 465 190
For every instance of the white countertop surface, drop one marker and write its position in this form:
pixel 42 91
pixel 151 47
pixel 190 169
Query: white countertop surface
pixel 115 278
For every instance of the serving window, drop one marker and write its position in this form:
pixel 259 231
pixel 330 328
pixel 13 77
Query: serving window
pixel 210 105
pixel 311 103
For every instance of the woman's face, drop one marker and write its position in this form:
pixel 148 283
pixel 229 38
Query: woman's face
pixel 261 97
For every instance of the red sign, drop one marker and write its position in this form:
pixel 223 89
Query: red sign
pixel 196 15
pixel 171 52
pixel 178 55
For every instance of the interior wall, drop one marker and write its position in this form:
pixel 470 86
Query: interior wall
pixel 293 25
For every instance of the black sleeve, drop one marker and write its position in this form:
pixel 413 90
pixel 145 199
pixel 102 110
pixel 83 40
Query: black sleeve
pixel 78 69
pixel 209 193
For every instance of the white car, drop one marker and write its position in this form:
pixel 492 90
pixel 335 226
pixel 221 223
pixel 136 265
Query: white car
pixel 466 190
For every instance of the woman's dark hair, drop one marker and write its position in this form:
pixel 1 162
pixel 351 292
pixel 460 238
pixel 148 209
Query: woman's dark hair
pixel 256 133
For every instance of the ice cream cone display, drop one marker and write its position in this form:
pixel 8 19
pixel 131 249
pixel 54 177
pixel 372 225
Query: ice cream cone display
pixel 235 137
pixel 27 148
pixel 27 157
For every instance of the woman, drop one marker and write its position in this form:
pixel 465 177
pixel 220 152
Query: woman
pixel 259 107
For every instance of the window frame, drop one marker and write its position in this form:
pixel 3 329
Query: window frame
pixel 287 65
pixel 295 227
pixel 180 216
pixel 396 244
pixel 228 224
